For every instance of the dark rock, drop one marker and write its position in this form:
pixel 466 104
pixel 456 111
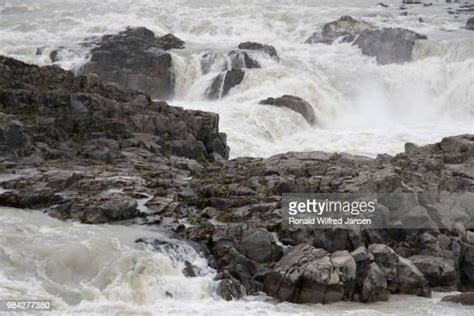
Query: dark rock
pixel 463 299
pixel 260 246
pixel 470 24
pixel 411 280
pixel 136 59
pixel 467 266
pixel 374 285
pixel 438 271
pixel 228 287
pixel 169 41
pixel 387 260
pixel 238 59
pixel 188 270
pixel 268 49
pixel 346 28
pixel 389 45
pixel 225 81
pixel 293 103
pixel 410 147
pixel 308 275
pixel 62 106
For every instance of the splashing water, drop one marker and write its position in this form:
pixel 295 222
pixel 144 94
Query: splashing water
pixel 362 107
pixel 100 269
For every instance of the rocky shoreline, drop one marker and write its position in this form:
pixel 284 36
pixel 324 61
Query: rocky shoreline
pixel 85 150
pixel 96 148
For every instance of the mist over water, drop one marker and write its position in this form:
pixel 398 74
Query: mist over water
pixel 362 107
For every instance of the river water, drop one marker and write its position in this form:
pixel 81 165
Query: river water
pixel 362 108
pixel 101 270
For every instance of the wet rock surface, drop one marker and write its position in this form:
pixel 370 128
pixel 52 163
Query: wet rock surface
pixel 80 149
pixel 136 59
pixel 268 49
pixel 470 24
pixel 464 299
pixel 225 81
pixel 234 66
pixel 387 45
pixel 346 28
pixel 293 103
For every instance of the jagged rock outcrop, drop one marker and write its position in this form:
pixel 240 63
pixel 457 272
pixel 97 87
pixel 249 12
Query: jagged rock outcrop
pixel 239 59
pixel 137 60
pixel 438 271
pixel 88 151
pixel 387 45
pixel 268 49
pixel 225 81
pixel 347 28
pixel 233 68
pixel 293 103
pixel 310 275
pixel 88 118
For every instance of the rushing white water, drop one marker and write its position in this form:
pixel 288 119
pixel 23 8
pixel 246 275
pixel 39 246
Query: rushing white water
pixel 362 107
pixel 97 270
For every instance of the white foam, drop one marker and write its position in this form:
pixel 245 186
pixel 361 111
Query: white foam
pixel 100 270
pixel 362 107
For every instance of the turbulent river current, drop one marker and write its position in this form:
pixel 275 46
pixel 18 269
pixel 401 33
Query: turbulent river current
pixel 101 270
pixel 362 108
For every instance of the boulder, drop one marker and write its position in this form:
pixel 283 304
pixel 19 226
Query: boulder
pixel 387 259
pixel 225 81
pixel 389 45
pixel 136 59
pixel 411 280
pixel 470 24
pixel 438 271
pixel 374 285
pixel 346 28
pixel 268 49
pixel 463 299
pixel 308 275
pixel 239 59
pixel 293 103
pixel 260 246
pixel 228 287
